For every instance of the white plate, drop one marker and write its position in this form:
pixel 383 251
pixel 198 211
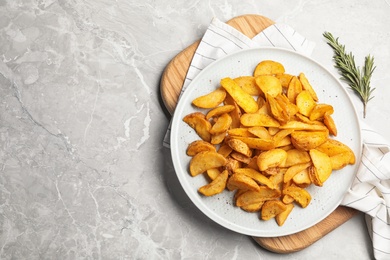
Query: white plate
pixel 220 208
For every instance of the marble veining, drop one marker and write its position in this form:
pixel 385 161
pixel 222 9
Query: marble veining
pixel 83 173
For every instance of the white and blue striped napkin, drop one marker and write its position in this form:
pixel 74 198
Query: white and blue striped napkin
pixel 370 191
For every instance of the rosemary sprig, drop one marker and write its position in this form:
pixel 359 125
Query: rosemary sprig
pixel 358 80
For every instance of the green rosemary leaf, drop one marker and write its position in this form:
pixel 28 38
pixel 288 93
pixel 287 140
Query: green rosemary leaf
pixel 358 80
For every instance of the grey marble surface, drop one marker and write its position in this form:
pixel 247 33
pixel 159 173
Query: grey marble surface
pixel 83 173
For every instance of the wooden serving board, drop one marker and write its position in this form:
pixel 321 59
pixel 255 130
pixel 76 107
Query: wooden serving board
pixel 170 86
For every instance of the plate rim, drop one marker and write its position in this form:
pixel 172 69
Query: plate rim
pixel 212 215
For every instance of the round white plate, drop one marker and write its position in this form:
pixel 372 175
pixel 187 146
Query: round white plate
pixel 220 208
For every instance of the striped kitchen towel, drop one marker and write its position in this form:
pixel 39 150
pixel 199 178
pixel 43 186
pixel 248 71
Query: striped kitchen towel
pixel 370 191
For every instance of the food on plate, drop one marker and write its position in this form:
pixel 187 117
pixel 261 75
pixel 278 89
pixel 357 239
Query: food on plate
pixel 242 98
pixel 268 67
pixel 206 160
pixel 210 100
pixel 272 208
pixel 215 186
pixel 198 146
pixel 200 124
pixel 266 137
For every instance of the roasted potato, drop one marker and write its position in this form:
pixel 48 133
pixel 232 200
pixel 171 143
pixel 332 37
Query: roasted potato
pixel 199 146
pixel 300 195
pixel 271 158
pixel 205 160
pixel 251 197
pixel 210 100
pixel 268 67
pixel 198 122
pixel 216 186
pixel 272 208
pixel 242 98
pixel 269 85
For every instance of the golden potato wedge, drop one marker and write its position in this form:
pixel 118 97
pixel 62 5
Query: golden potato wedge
pixel 319 111
pixel 255 207
pixel 314 177
pixel 213 173
pixel 205 160
pixel 240 131
pixel 269 85
pixel 261 102
pixel 232 164
pixel 276 110
pixel 237 193
pixel 216 186
pixel 295 156
pixel 305 103
pixel 332 147
pixel 277 179
pixel 287 199
pixel 240 157
pixel 198 122
pixel 239 146
pixel 307 140
pixel 238 181
pixel 302 178
pixel 294 88
pixel 210 100
pixel 287 147
pixel 284 78
pixel 272 208
pixel 294 170
pixel 248 84
pixel 235 114
pixel 215 112
pixel 253 163
pixel 243 99
pixel 268 67
pixel 265 120
pixel 282 216
pixel 288 108
pixel 322 164
pixel 222 124
pixel 264 108
pixel 224 150
pixel 306 120
pixel 298 125
pixel 199 146
pixel 282 144
pixel 307 86
pixel 273 130
pixel 255 175
pixel 260 131
pixel 300 195
pixel 280 136
pixel 251 197
pixel 271 158
pixel 273 171
pixel 330 124
pixel 340 160
pixel 217 138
